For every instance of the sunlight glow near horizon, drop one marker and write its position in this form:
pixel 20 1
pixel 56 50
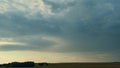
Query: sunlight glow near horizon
pixel 23 56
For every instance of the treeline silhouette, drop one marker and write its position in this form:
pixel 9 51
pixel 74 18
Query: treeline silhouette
pixel 23 64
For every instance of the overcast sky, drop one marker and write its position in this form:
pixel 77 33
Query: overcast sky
pixel 59 30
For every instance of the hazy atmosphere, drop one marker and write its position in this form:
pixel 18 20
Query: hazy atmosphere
pixel 59 30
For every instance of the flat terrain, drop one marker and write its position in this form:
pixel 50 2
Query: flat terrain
pixel 79 65
pixel 83 65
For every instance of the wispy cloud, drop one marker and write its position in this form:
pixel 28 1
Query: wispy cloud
pixel 12 43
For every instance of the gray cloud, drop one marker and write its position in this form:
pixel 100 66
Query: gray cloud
pixel 13 48
pixel 89 25
pixel 60 5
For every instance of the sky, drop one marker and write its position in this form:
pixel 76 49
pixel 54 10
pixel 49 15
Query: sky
pixel 59 31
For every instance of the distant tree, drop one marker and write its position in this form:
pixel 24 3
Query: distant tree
pixel 43 64
pixel 18 64
pixel 28 64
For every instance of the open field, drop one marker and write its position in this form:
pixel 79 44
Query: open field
pixel 79 65
pixel 83 65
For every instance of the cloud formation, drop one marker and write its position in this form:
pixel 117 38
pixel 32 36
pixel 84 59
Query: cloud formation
pixel 61 25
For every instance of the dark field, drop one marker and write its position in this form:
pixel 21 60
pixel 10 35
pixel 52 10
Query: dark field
pixel 78 65
pixel 83 65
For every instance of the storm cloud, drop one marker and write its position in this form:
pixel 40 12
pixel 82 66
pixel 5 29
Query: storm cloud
pixel 61 26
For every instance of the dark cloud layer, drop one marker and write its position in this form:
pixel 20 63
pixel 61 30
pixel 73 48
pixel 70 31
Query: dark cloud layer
pixel 87 25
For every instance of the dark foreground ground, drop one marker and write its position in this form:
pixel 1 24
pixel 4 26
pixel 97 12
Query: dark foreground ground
pixel 83 65
pixel 77 65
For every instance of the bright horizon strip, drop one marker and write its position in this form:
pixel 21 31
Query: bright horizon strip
pixel 22 56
